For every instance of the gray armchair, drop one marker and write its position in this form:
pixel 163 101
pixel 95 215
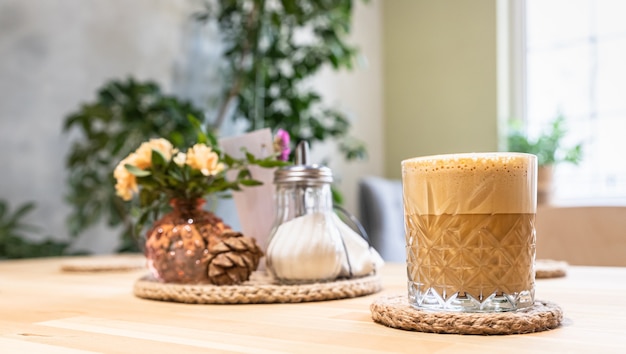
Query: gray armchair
pixel 382 216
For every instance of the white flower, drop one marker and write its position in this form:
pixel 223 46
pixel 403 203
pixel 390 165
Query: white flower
pixel 180 158
pixel 203 158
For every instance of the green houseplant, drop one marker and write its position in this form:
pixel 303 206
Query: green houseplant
pixel 268 68
pixel 548 146
pixel 14 231
pixel 271 49
pixel 124 114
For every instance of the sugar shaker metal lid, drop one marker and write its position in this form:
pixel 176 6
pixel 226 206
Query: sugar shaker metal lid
pixel 302 172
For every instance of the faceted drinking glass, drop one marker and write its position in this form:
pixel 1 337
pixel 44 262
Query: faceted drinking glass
pixel 470 231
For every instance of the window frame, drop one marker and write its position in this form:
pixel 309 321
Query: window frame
pixel 512 84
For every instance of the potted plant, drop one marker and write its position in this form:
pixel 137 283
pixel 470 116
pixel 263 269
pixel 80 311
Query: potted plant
pixel 267 70
pixel 189 244
pixel 124 114
pixel 549 150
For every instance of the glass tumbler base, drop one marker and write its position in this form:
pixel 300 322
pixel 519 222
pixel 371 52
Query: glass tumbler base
pixel 496 302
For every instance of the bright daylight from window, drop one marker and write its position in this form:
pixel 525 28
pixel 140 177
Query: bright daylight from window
pixel 576 65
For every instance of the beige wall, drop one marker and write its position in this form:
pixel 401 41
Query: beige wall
pixel 440 78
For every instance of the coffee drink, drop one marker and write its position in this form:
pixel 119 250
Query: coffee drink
pixel 470 234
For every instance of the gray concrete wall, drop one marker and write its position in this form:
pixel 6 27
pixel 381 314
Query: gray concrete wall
pixel 54 54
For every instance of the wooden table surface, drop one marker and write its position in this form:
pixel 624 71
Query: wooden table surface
pixel 45 310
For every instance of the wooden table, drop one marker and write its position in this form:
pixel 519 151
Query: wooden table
pixel 45 310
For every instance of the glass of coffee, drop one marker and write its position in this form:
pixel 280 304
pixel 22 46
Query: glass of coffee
pixel 470 231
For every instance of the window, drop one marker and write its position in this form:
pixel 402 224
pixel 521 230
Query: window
pixel 575 64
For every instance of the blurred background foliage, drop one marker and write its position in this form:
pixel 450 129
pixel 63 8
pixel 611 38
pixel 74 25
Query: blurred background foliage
pixel 548 145
pixel 272 49
pixel 124 114
pixel 16 236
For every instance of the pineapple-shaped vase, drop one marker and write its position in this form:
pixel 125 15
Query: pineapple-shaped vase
pixel 190 245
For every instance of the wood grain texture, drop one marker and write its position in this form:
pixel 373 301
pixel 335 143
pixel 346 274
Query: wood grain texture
pixel 45 310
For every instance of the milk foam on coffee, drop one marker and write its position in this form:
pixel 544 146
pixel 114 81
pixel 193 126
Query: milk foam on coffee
pixel 464 184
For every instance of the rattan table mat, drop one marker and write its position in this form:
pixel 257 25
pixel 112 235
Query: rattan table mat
pixel 548 268
pixel 105 263
pixel 394 311
pixel 258 290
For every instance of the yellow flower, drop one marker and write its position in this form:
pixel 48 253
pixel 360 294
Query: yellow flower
pixel 203 158
pixel 144 152
pixel 126 183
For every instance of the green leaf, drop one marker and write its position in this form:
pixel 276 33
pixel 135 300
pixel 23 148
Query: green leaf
pixel 158 160
pixel 228 160
pixel 23 210
pixel 272 163
pixel 202 137
pixel 250 157
pixel 337 196
pixel 137 171
pixel 250 182
pixel 243 174
pixel 3 208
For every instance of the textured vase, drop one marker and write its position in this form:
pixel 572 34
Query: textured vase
pixel 192 245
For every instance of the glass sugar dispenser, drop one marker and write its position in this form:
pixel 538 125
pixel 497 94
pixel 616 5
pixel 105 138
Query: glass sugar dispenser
pixel 309 242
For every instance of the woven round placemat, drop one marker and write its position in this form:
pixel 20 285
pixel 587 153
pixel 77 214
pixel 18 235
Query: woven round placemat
pixel 394 311
pixel 107 263
pixel 258 290
pixel 548 268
